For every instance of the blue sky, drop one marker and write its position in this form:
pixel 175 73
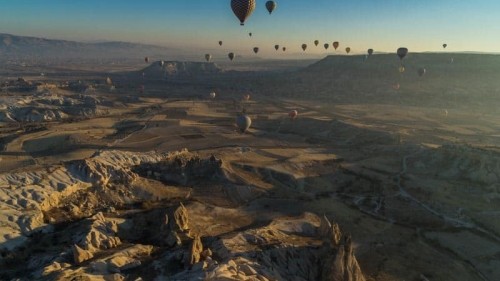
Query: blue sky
pixel 466 25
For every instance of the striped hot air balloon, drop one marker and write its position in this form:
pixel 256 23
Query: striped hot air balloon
pixel 242 9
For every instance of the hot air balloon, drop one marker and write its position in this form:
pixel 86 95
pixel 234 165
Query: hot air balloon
pixel 208 57
pixel 161 63
pixel 326 46
pixel 304 47
pixel 421 71
pixel 250 34
pixel 270 6
pixel 212 95
pixel 246 97
pixel 220 43
pixel 293 114
pixel 336 45
pixel 230 56
pixel 445 45
pixel 242 9
pixel 402 52
pixel 276 47
pixel 284 49
pixel 316 42
pixel 370 52
pixel 146 59
pixel 348 50
pixel 108 81
pixel 243 122
pixel 256 50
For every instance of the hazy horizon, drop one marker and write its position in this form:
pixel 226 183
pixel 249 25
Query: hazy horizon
pixel 198 25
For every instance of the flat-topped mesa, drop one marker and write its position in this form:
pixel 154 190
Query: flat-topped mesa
pixel 179 70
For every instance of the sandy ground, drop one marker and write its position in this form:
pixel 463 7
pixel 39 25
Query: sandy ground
pixel 417 187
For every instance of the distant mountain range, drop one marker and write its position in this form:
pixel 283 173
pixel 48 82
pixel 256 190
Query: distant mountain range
pixel 14 47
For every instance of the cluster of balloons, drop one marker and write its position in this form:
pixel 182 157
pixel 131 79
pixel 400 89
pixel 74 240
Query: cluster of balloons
pixel 243 9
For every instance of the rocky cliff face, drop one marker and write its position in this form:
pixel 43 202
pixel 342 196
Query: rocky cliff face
pixel 108 218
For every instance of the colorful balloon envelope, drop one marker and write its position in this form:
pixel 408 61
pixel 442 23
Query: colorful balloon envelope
pixel 243 9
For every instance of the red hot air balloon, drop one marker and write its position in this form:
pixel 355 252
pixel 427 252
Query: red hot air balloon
pixel 336 45
pixel 242 9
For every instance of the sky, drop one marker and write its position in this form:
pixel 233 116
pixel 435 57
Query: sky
pixel 384 25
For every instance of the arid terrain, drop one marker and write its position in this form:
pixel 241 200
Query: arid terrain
pixel 382 176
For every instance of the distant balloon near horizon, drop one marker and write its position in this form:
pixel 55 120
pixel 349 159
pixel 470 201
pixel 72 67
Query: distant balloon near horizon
pixel 276 47
pixel 445 45
pixel 161 63
pixel 347 50
pixel 304 47
pixel 370 52
pixel 256 50
pixel 243 9
pixel 336 45
pixel 109 82
pixel 284 49
pixel 220 43
pixel 243 122
pixel 271 6
pixel 250 34
pixel 246 97
pixel 212 95
pixel 402 52
pixel 208 57
pixel 230 56
pixel 326 46
pixel 316 42
pixel 421 71
pixel 293 114
pixel 146 59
